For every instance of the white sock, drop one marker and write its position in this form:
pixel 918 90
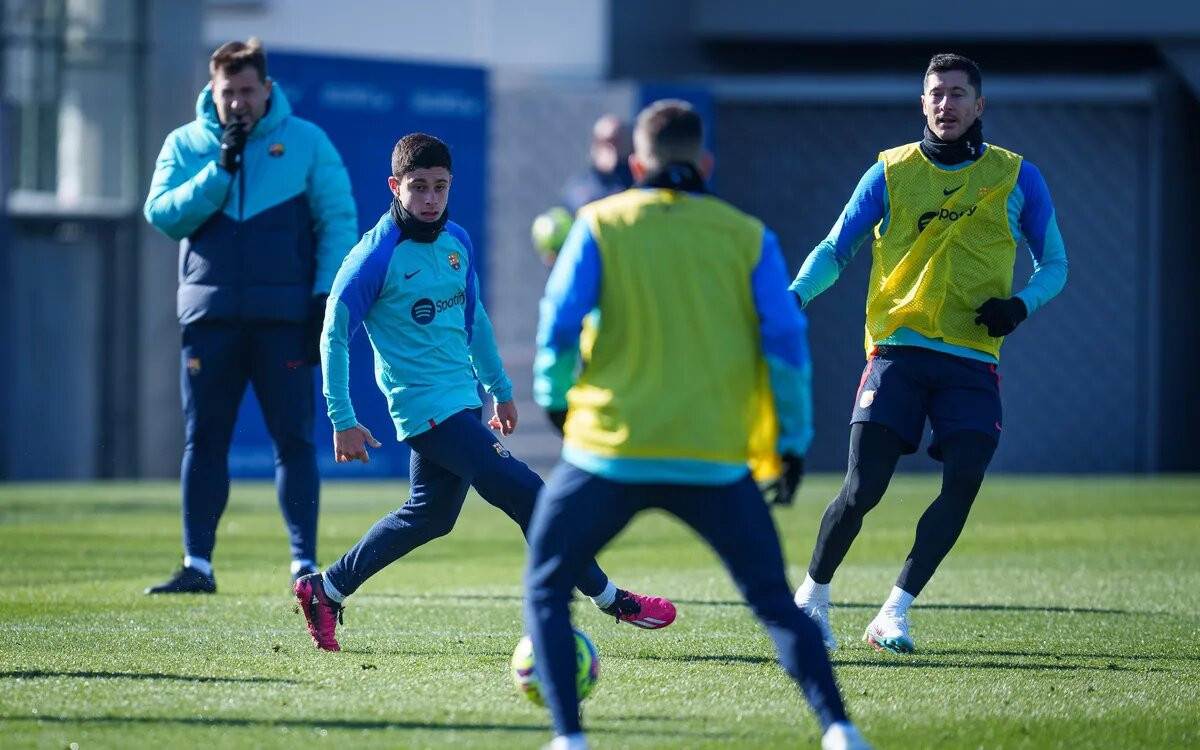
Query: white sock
pixel 605 599
pixel 811 591
pixel 198 564
pixel 898 603
pixel 839 734
pixel 569 742
pixel 331 590
pixel 302 563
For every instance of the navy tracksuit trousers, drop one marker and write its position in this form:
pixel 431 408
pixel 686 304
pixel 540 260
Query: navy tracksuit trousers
pixel 218 360
pixel 446 461
pixel 578 513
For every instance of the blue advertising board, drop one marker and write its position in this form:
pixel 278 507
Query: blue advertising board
pixel 365 106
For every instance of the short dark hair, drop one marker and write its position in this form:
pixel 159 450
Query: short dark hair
pixel 669 130
pixel 419 151
pixel 233 57
pixel 947 61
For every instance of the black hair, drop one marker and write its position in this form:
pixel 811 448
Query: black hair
pixel 419 151
pixel 946 62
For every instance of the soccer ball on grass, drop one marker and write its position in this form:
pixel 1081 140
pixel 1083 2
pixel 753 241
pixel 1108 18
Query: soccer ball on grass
pixel 587 668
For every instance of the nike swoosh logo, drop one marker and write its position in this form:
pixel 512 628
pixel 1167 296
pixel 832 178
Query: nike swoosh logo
pixel 953 190
pixel 410 275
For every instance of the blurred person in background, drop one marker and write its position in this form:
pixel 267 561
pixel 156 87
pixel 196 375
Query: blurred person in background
pixel 696 343
pixel 947 213
pixel 609 170
pixel 411 284
pixel 607 174
pixel 261 204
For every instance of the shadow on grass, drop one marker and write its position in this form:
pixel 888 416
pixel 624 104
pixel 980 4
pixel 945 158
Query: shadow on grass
pixel 955 607
pixel 218 721
pixel 39 674
pixel 1063 655
pixel 358 725
pixel 907 662
pixel 1000 608
pixel 836 605
pixel 918 662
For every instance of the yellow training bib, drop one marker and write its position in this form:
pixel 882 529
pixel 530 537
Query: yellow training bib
pixel 948 247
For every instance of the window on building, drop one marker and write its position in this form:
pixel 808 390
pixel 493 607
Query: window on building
pixel 71 82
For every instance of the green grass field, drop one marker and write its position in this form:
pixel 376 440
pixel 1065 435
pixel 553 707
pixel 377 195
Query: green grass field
pixel 1067 616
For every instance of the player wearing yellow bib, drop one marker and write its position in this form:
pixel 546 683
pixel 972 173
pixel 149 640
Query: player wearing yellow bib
pixel 947 214
pixel 696 344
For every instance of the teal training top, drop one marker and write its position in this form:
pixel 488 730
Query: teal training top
pixel 433 343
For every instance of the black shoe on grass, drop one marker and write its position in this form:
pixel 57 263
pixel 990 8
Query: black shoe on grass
pixel 186 581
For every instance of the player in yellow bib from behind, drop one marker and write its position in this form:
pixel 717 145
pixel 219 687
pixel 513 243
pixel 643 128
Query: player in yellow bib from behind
pixel 947 214
pixel 694 345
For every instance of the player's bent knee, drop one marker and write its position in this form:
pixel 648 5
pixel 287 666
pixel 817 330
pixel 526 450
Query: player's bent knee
pixel 439 527
pixel 862 494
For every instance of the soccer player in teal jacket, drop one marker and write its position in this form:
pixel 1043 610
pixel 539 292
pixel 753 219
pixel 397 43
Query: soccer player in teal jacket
pixel 411 283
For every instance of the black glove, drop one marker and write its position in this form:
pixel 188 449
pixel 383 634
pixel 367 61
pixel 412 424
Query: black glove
pixel 312 329
pixel 233 143
pixel 557 417
pixel 783 490
pixel 1001 316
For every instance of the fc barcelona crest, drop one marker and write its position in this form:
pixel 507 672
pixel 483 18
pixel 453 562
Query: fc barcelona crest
pixel 454 262
pixel 501 451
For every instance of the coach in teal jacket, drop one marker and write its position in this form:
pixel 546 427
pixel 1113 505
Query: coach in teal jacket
pixel 261 204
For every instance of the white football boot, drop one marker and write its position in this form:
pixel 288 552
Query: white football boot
pixel 819 612
pixel 843 735
pixel 890 631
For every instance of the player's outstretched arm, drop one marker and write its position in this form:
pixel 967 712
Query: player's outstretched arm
pixel 866 208
pixel 1039 226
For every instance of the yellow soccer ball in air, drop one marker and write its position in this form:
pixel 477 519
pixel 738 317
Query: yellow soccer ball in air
pixel 550 229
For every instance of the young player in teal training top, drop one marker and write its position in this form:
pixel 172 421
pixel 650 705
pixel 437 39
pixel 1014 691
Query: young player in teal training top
pixel 411 283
